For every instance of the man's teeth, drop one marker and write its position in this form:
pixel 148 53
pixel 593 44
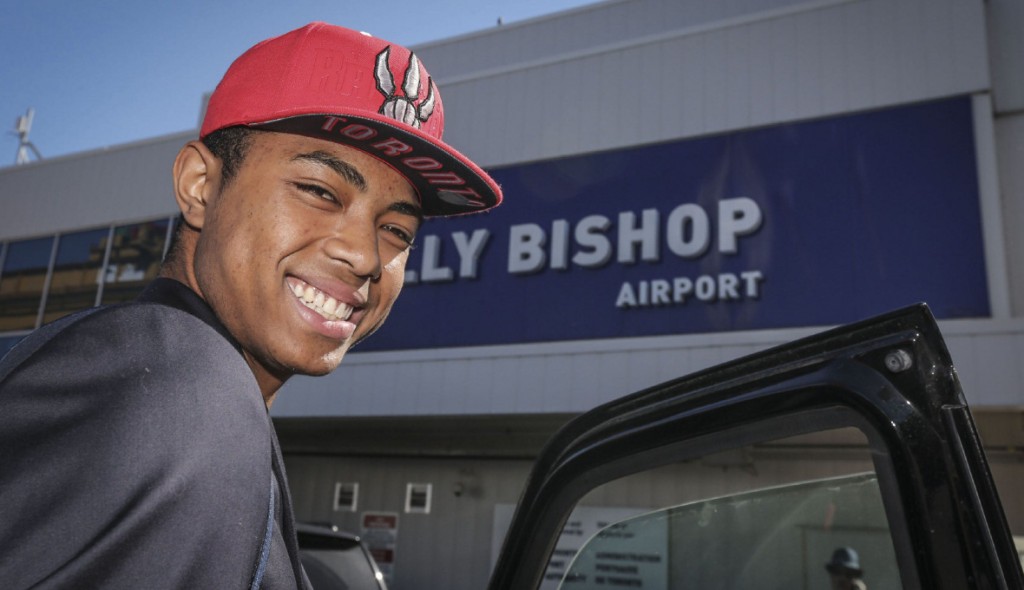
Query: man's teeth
pixel 320 302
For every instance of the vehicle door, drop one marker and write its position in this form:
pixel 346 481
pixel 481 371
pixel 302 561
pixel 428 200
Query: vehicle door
pixel 884 477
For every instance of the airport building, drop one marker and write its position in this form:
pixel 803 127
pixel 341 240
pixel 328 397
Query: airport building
pixel 686 182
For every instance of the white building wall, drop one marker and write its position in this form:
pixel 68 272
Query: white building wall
pixel 1006 47
pixel 1005 22
pixel 576 376
pixel 709 68
pixel 127 183
pixel 1010 145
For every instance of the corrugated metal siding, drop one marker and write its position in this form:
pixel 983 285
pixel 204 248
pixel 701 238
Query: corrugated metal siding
pixel 129 183
pixel 718 74
pixel 1009 132
pixel 444 549
pixel 1006 21
pixel 586 28
pixel 574 377
pixel 990 365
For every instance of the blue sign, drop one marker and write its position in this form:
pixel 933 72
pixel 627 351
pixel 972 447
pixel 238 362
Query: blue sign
pixel 807 224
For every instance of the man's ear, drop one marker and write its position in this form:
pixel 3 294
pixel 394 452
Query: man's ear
pixel 197 175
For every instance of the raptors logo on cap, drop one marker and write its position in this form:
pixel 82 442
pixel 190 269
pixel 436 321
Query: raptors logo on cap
pixel 403 108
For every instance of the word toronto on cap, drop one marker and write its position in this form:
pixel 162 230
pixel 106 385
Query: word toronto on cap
pixel 334 83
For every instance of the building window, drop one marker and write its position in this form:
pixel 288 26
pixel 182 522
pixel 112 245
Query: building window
pixel 76 273
pixel 7 343
pixel 417 498
pixel 346 496
pixel 135 256
pixel 43 279
pixel 22 282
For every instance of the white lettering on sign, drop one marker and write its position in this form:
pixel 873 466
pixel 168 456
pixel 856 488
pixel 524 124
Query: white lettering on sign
pixel 526 249
pixel 433 272
pixel 643 234
pixel 686 233
pixel 559 245
pixel 736 217
pixel 469 249
pixel 676 291
pixel 595 248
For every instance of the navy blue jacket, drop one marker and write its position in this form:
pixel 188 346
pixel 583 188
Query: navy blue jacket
pixel 136 452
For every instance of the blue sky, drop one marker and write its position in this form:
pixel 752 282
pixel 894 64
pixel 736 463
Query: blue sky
pixel 105 72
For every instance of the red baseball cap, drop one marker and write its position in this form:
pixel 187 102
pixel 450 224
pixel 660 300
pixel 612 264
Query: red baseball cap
pixel 334 83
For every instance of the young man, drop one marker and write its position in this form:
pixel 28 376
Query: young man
pixel 135 446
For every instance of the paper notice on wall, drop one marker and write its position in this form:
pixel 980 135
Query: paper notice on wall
pixel 379 532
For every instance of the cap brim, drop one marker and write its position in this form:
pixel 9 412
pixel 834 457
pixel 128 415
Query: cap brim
pixel 447 182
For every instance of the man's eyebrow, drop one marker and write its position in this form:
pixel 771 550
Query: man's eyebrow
pixel 408 209
pixel 343 168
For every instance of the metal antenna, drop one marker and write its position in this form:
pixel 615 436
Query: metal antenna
pixel 22 125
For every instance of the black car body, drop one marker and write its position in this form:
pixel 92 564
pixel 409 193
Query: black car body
pixel 336 560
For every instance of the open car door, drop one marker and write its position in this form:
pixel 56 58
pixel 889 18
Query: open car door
pixel 919 509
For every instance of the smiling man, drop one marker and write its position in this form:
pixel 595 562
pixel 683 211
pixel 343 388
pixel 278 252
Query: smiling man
pixel 300 256
pixel 136 450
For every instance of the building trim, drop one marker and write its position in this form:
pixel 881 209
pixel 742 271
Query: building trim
pixel 620 46
pixel 991 208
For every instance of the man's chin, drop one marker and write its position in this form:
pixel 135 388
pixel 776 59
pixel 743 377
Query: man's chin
pixel 328 362
pixel 318 366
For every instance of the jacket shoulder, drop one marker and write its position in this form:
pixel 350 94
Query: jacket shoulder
pixel 136 435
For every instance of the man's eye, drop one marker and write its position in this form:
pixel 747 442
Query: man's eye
pixel 401 233
pixel 317 191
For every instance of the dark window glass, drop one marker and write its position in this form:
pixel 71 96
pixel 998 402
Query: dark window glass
pixel 760 516
pixel 76 273
pixel 135 257
pixel 21 283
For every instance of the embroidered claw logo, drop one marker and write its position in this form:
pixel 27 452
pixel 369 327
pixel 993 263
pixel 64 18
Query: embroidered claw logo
pixel 403 108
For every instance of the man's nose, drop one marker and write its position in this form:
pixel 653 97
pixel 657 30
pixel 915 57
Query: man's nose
pixel 355 244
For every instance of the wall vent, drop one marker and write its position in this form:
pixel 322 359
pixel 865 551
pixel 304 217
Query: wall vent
pixel 417 498
pixel 346 496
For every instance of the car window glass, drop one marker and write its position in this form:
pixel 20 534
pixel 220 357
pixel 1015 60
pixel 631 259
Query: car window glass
pixel 773 520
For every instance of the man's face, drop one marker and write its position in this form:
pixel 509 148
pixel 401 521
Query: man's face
pixel 846 581
pixel 303 252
